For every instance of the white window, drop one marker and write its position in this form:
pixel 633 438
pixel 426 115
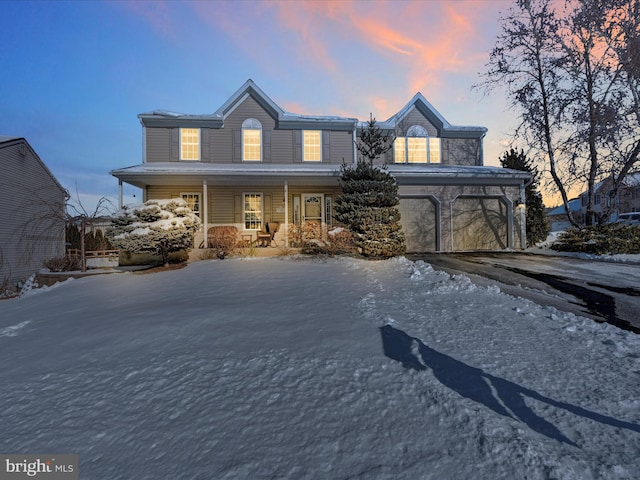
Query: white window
pixel 417 147
pixel 193 201
pixel 251 140
pixel 434 150
pixel 312 146
pixel 252 211
pixel 189 144
pixel 416 150
pixel 399 150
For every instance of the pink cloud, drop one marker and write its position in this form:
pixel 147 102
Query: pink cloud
pixel 422 40
pixel 303 19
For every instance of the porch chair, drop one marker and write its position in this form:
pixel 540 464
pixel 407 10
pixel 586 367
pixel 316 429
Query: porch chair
pixel 267 236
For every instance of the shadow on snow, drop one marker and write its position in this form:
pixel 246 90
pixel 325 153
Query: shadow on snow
pixel 479 386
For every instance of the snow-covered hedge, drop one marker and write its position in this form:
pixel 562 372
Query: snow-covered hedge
pixel 156 226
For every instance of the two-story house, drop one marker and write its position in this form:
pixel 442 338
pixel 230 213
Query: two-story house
pixel 627 199
pixel 251 162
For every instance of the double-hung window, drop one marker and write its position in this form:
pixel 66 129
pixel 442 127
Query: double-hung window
pixel 189 144
pixel 193 201
pixel 252 211
pixel 416 147
pixel 251 140
pixel 312 145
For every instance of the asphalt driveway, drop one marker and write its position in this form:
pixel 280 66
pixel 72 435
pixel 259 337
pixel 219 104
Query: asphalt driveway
pixel 601 290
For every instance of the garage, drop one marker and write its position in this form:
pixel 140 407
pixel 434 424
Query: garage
pixel 420 222
pixel 480 223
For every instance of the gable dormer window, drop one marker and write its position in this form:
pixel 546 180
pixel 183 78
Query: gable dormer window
pixel 190 144
pixel 416 147
pixel 251 140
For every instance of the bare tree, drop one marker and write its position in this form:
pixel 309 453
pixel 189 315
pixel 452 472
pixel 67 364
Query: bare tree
pixel 77 215
pixel 572 76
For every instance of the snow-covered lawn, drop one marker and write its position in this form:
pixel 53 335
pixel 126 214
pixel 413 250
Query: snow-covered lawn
pixel 314 369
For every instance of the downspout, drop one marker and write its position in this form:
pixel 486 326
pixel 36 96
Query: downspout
pixel 120 193
pixel 522 207
pixel 355 139
pixel 144 143
pixel 205 213
pixel 286 214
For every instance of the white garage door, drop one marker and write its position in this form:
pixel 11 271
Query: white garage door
pixel 419 222
pixel 479 223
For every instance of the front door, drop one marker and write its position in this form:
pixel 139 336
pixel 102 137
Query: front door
pixel 313 213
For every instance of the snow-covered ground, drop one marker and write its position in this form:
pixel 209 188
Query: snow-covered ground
pixel 543 248
pixel 311 368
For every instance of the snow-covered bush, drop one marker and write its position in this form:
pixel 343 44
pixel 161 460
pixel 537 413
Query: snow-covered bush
pixel 156 226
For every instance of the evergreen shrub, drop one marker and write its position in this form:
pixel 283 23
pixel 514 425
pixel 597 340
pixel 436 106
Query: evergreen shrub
pixel 600 239
pixel 367 206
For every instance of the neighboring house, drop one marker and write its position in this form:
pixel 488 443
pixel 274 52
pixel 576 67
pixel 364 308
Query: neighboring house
pixel 557 216
pixel 627 200
pixel 251 162
pixel 32 213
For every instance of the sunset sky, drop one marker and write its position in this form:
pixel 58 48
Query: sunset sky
pixel 75 75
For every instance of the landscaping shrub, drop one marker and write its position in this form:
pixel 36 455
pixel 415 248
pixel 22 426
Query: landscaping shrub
pixel 223 240
pixel 158 227
pixel 603 239
pixel 66 263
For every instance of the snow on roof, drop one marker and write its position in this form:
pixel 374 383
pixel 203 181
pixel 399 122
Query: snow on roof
pixel 400 171
pixel 170 114
pixel 249 88
pixel 429 111
pixel 574 206
pixel 632 180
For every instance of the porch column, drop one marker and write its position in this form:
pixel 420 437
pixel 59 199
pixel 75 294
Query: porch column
pixel 522 210
pixel 286 214
pixel 205 212
pixel 120 194
pixel 355 144
pixel 510 225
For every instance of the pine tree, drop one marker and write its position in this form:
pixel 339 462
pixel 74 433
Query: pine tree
pixel 373 141
pixel 537 224
pixel 369 198
pixel 156 226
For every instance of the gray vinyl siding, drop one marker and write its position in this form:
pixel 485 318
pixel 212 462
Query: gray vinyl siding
pixel 158 144
pixel 160 192
pixel 225 202
pixel 249 108
pixel 282 146
pixel 32 215
pixel 454 151
pixel 220 146
pixel 463 151
pixel 341 147
pixel 414 117
pixel 224 145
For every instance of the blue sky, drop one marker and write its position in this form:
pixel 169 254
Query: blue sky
pixel 76 74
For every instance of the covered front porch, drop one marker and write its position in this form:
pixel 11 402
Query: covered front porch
pixel 247 199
